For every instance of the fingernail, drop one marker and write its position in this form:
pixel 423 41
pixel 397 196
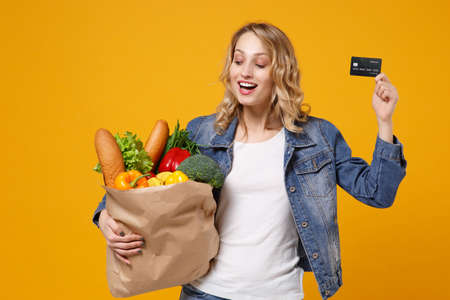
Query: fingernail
pixel 122 233
pixel 142 239
pixel 143 243
pixel 140 251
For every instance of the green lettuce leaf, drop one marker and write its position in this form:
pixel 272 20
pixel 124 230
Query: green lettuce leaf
pixel 97 168
pixel 133 153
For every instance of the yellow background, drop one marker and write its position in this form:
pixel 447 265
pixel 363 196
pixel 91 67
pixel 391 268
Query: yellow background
pixel 70 67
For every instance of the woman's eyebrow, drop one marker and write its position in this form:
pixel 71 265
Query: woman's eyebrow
pixel 259 53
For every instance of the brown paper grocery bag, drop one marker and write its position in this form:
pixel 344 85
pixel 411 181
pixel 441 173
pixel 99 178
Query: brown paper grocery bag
pixel 177 222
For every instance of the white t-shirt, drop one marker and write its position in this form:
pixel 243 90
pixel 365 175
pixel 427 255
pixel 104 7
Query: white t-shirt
pixel 257 256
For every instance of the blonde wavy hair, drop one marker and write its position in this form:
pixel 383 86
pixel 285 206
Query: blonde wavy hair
pixel 286 102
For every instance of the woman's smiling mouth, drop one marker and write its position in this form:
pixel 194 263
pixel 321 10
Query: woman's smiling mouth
pixel 246 87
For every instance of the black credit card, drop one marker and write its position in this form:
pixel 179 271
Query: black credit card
pixel 365 66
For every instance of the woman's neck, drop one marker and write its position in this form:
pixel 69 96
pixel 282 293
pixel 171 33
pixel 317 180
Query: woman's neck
pixel 255 120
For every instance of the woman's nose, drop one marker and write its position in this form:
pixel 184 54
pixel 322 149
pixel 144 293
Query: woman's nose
pixel 247 70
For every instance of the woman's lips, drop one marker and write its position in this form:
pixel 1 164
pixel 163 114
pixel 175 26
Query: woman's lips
pixel 246 92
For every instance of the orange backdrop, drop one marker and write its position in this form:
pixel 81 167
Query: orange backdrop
pixel 70 67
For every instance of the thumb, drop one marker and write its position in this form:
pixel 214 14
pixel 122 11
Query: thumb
pixel 382 77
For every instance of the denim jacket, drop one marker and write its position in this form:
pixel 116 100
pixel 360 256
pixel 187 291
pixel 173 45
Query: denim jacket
pixel 315 161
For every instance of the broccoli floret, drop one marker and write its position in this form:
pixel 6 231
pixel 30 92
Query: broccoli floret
pixel 202 168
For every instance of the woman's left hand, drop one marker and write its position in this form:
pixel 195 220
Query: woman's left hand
pixel 384 98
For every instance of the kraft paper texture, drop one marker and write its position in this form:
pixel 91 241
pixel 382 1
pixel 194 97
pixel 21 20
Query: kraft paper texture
pixel 177 222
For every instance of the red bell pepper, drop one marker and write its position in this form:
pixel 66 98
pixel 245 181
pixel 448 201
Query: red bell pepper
pixel 172 159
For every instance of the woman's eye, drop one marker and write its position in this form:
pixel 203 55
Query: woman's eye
pixel 237 62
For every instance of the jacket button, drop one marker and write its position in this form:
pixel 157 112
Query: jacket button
pixel 292 189
pixel 315 255
pixel 304 224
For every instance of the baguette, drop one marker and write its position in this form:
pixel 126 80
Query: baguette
pixel 109 156
pixel 157 140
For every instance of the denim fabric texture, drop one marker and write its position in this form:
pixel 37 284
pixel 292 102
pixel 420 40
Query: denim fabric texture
pixel 189 292
pixel 315 162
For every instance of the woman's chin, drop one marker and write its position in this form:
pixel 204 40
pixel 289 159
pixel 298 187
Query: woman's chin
pixel 247 102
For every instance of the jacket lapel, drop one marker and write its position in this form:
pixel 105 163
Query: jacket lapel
pixel 226 139
pixel 292 139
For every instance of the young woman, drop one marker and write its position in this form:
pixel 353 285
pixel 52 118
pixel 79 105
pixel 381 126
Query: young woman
pixel 276 213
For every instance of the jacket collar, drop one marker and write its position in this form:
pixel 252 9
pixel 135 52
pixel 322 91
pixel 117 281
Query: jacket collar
pixel 226 139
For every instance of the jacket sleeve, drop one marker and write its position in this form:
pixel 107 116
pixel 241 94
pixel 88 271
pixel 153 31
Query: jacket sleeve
pixel 100 207
pixel 375 184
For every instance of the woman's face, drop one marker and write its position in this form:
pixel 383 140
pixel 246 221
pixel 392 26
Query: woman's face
pixel 250 72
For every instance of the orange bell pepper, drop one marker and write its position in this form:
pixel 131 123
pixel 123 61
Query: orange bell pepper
pixel 130 179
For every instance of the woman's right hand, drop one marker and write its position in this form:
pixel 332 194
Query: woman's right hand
pixel 122 245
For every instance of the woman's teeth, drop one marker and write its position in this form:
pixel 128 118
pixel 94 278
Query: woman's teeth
pixel 247 86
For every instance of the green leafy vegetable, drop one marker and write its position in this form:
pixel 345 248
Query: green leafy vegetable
pixel 97 168
pixel 133 153
pixel 180 138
